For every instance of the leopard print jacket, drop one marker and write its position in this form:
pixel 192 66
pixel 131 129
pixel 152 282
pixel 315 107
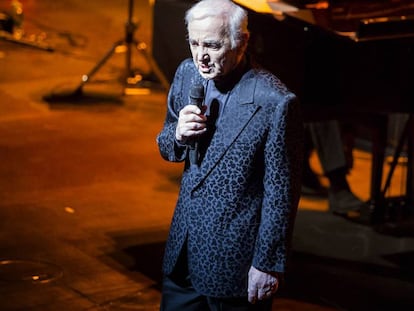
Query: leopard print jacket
pixel 237 208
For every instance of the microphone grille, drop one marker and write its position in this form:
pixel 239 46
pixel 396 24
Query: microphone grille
pixel 197 91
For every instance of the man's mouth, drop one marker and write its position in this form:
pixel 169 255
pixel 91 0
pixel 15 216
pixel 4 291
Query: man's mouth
pixel 204 67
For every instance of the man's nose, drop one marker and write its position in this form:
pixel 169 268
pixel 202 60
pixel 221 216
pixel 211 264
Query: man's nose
pixel 202 53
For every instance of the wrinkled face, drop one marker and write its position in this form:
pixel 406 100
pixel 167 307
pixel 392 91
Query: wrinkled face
pixel 210 48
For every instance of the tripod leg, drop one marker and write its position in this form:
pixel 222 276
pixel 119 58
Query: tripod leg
pixel 141 47
pixel 86 77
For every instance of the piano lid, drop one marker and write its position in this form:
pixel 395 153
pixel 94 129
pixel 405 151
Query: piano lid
pixel 356 19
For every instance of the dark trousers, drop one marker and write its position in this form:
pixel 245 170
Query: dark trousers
pixel 181 296
pixel 178 294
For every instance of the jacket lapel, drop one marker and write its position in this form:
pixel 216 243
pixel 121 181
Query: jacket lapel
pixel 239 109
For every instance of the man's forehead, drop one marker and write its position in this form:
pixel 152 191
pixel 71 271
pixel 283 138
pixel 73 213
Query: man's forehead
pixel 207 24
pixel 203 36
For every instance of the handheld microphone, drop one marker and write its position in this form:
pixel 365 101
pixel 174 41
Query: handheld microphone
pixel 197 95
pixel 196 98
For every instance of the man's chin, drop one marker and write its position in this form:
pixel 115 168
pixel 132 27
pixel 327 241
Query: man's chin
pixel 208 75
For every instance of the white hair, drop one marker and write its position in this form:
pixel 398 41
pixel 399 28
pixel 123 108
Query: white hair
pixel 234 17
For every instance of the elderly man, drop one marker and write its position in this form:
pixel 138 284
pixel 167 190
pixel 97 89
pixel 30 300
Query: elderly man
pixel 242 147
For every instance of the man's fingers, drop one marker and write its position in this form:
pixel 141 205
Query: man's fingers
pixel 264 293
pixel 275 286
pixel 190 123
pixel 261 285
pixel 252 295
pixel 190 109
pixel 193 129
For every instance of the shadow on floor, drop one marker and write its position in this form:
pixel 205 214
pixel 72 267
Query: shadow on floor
pixel 318 280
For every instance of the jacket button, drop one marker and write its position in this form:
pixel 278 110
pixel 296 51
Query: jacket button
pixel 195 194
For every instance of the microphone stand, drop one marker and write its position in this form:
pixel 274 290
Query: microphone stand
pixel 128 43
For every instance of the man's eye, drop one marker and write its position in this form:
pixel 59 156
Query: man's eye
pixel 213 46
pixel 193 43
pixel 207 45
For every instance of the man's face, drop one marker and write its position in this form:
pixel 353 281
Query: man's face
pixel 210 48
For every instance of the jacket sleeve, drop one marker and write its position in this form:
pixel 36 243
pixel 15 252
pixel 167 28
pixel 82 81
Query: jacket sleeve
pixel 169 148
pixel 282 180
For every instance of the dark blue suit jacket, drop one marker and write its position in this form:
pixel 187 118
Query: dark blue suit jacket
pixel 237 209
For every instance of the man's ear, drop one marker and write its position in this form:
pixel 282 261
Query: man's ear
pixel 245 38
pixel 244 41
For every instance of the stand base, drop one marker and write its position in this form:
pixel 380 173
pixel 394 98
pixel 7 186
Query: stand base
pixel 10 38
pixel 80 97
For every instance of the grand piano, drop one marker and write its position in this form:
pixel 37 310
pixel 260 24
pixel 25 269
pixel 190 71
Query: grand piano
pixel 349 60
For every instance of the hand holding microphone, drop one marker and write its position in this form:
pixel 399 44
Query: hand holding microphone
pixel 191 121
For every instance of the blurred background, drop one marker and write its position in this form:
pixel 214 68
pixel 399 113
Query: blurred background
pixel 85 198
